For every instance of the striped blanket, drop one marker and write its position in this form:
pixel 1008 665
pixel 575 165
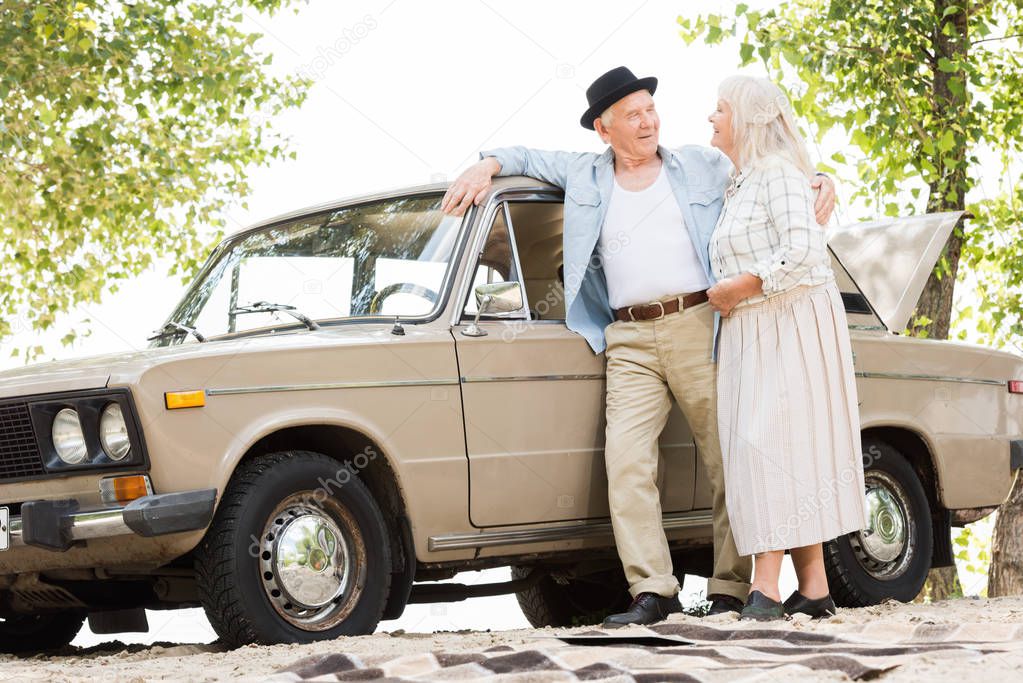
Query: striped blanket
pixel 683 652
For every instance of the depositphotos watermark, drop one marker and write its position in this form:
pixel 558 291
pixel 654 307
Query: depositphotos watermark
pixel 812 505
pixel 327 57
pixel 573 277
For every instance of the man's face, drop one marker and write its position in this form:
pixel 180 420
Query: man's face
pixel 635 126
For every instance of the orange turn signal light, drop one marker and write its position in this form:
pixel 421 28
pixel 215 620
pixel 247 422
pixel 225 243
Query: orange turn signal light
pixel 123 490
pixel 184 399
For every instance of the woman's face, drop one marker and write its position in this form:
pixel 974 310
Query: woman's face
pixel 721 120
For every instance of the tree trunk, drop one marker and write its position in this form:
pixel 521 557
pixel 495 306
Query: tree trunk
pixel 935 302
pixel 942 584
pixel 1006 574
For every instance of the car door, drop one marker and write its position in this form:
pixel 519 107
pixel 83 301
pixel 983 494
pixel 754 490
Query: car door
pixel 533 390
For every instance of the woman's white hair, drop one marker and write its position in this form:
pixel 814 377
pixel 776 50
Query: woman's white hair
pixel 763 124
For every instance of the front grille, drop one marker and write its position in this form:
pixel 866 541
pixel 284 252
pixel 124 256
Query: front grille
pixel 19 454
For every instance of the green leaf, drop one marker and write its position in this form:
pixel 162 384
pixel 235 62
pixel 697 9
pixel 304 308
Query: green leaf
pixel 745 53
pixel 946 142
pixel 945 64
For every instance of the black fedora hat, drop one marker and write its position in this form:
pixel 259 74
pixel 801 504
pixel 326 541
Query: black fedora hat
pixel 611 87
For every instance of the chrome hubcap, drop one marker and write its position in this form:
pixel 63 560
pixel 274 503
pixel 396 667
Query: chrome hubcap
pixel 885 547
pixel 306 563
pixel 310 560
pixel 887 526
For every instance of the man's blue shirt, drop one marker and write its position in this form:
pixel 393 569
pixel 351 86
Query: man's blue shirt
pixel 698 177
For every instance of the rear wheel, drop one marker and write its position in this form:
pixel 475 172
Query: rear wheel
pixel 298 551
pixel 575 602
pixel 891 557
pixel 39 632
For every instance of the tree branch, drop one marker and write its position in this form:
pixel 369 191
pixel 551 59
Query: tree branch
pixel 930 41
pixel 985 40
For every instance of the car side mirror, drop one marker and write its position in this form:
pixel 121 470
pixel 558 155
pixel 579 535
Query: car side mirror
pixel 497 297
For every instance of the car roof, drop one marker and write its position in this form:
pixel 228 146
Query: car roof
pixel 500 183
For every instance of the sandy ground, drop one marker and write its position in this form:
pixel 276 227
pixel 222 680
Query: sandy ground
pixel 118 662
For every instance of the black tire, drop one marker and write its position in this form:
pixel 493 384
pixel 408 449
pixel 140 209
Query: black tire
pixel 276 498
pixel 39 632
pixel 858 574
pixel 579 602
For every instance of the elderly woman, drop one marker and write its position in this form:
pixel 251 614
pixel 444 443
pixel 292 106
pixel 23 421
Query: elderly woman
pixel 787 409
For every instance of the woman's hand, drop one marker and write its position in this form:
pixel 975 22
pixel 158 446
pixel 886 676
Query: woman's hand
pixel 727 293
pixel 825 202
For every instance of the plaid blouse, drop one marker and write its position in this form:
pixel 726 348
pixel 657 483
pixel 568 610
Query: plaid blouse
pixel 768 228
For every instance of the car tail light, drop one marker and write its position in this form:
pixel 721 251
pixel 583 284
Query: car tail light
pixel 1016 386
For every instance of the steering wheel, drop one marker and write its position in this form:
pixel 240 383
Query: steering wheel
pixel 376 303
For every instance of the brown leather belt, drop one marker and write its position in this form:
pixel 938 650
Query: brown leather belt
pixel 659 309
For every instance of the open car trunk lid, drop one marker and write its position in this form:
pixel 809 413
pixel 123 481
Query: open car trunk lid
pixel 890 260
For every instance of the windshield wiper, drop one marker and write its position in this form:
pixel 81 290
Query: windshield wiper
pixel 174 327
pixel 267 307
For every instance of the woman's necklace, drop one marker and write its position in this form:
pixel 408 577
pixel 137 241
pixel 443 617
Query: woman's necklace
pixel 737 181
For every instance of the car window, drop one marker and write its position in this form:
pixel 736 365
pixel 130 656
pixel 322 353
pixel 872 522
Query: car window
pixel 497 263
pixel 538 227
pixel 384 258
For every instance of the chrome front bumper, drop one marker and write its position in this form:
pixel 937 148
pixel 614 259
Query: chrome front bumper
pixel 57 525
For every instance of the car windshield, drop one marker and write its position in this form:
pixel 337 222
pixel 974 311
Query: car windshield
pixel 385 258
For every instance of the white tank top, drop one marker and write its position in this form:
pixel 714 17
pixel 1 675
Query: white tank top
pixel 645 248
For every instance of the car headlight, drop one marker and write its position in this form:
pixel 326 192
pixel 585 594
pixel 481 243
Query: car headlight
pixel 68 440
pixel 113 432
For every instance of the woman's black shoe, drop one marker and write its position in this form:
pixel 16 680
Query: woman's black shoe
pixel 821 608
pixel 762 608
pixel 647 608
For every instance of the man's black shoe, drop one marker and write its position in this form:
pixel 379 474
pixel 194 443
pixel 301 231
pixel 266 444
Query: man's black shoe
pixel 647 608
pixel 723 604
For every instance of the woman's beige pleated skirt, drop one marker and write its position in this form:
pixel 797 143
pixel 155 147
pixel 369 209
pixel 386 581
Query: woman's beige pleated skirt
pixel 789 422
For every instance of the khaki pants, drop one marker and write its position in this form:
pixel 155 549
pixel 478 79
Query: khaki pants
pixel 646 359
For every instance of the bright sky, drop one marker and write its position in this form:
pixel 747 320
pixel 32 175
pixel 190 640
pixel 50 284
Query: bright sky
pixel 406 94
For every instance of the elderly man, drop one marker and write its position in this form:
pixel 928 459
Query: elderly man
pixel 638 221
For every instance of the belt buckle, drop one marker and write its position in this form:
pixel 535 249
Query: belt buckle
pixel 661 304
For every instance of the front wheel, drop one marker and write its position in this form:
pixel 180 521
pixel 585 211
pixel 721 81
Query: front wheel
pixel 892 556
pixel 298 551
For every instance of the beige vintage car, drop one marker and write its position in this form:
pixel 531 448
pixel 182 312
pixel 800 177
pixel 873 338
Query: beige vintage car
pixel 356 401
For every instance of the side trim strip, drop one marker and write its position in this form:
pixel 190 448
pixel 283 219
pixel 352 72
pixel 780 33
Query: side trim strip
pixel 490 539
pixel 530 378
pixel 932 378
pixel 333 385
